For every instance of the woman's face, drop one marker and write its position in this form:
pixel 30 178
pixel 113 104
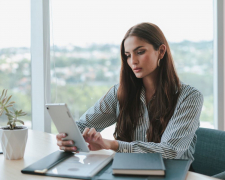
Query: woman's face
pixel 141 56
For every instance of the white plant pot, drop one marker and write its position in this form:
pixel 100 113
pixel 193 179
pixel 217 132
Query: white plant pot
pixel 13 142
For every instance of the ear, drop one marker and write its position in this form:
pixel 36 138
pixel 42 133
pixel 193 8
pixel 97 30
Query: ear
pixel 162 51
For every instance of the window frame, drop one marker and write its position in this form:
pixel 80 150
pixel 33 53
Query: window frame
pixel 40 64
pixel 219 64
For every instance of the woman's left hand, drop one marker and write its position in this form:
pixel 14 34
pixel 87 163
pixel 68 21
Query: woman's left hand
pixel 95 140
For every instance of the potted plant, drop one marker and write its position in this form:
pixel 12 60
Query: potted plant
pixel 13 138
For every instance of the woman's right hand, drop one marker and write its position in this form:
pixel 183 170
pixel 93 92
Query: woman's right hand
pixel 63 144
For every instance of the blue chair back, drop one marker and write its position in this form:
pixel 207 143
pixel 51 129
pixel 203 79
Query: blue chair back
pixel 209 152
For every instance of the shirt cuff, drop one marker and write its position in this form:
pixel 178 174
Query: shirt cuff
pixel 124 147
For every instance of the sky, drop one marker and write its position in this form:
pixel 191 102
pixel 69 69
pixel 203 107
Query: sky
pixel 81 23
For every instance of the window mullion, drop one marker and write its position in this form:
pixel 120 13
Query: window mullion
pixel 40 64
pixel 219 64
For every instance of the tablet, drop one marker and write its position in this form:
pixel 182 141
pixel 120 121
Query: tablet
pixel 64 123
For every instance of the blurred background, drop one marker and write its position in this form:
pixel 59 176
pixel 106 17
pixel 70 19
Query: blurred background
pixel 85 48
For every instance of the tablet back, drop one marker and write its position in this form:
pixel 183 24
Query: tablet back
pixel 64 123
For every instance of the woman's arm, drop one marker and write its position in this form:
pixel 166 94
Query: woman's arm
pixel 99 116
pixel 175 140
pixel 179 133
pixel 102 114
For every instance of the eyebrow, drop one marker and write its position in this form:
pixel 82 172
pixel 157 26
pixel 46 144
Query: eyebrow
pixel 136 48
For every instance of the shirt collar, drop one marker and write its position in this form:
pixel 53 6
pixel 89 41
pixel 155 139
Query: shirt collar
pixel 142 96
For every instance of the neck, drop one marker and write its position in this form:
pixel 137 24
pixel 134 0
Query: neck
pixel 150 84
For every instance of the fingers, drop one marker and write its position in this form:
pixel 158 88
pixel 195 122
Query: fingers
pixel 97 136
pixel 65 143
pixel 60 136
pixel 91 134
pixel 86 130
pixel 68 148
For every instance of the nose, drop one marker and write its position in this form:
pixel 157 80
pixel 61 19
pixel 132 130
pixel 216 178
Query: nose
pixel 134 60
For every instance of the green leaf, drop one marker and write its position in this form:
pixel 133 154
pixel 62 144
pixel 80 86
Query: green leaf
pixel 10 118
pixel 12 102
pixel 19 121
pixel 4 100
pixel 8 114
pixel 6 109
pixel 2 94
pixel 22 114
pixel 9 122
pixel 5 92
pixel 8 99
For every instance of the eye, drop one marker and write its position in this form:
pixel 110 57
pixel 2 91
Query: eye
pixel 127 56
pixel 141 52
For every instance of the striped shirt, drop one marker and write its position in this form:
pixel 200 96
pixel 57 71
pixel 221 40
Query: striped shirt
pixel 179 138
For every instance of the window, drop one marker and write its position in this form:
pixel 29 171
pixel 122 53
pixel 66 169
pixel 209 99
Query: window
pixel 85 47
pixel 15 55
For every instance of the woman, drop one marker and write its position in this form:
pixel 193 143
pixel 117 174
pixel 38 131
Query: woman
pixel 152 109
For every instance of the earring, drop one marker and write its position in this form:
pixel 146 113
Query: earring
pixel 158 62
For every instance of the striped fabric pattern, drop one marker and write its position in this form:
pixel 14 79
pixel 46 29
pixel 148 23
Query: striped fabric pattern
pixel 178 140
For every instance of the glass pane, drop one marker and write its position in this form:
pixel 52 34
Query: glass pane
pixel 15 56
pixel 85 47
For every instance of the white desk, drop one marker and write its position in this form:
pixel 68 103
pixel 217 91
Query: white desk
pixel 41 144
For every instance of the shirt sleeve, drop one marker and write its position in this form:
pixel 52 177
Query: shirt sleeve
pixel 178 134
pixel 102 114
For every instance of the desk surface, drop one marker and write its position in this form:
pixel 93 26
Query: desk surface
pixel 40 144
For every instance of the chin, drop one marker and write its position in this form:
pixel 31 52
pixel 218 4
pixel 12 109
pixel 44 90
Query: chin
pixel 139 76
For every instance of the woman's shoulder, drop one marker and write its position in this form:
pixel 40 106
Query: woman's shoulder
pixel 112 92
pixel 114 88
pixel 188 91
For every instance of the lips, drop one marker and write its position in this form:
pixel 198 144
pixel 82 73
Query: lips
pixel 137 69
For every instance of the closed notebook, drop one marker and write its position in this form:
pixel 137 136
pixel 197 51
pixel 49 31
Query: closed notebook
pixel 138 164
pixel 176 169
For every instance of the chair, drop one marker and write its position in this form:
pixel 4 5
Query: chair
pixel 210 153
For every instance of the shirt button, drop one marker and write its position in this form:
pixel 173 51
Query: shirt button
pixel 125 150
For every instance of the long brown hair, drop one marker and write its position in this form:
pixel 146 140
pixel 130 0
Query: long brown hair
pixel 166 95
